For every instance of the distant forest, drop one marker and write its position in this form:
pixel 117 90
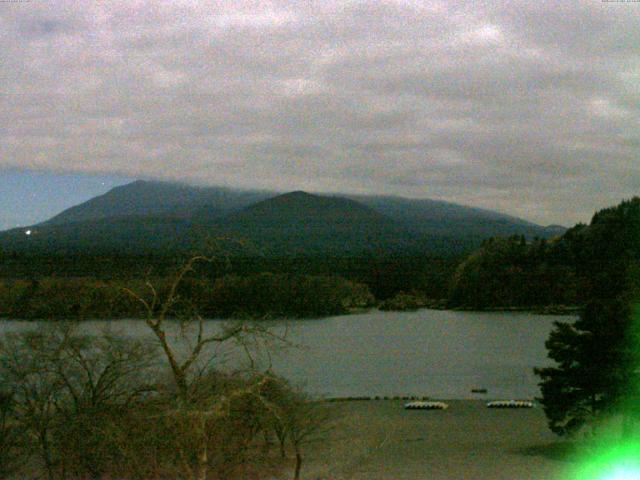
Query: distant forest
pixel 511 272
pixel 504 273
pixel 77 286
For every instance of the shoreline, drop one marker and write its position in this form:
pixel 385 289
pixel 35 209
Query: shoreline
pixel 546 310
pixel 382 440
pixel 551 310
pixel 405 398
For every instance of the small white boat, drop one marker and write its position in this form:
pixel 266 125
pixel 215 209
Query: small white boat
pixel 421 405
pixel 510 404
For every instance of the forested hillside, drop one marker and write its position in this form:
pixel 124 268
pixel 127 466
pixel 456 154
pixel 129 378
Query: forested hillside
pixel 511 272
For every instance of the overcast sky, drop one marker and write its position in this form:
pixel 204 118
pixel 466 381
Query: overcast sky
pixel 530 108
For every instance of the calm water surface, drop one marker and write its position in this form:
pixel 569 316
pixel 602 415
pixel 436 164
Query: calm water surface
pixel 442 354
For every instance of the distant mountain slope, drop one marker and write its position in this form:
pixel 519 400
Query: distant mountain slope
pixel 300 223
pixel 209 204
pixel 126 235
pixel 434 217
pixel 142 198
pixel 553 231
pixel 304 210
pixel 147 217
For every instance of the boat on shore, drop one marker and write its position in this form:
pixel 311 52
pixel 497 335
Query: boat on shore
pixel 421 405
pixel 510 404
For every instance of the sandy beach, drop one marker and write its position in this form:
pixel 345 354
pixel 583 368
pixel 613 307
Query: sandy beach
pixel 381 440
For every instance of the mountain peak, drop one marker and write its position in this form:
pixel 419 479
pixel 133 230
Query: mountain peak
pixel 299 193
pixel 298 204
pixel 299 224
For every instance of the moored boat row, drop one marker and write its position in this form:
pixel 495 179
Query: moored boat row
pixel 510 404
pixel 426 406
pixel 422 405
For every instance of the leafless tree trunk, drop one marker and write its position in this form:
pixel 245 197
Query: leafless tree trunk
pixel 182 369
pixel 298 467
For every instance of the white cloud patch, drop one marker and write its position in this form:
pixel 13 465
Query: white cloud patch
pixel 605 108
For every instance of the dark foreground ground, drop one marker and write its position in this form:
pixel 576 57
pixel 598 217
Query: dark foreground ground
pixel 381 440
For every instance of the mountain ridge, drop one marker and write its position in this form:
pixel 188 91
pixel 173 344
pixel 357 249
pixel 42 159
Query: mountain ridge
pixel 292 223
pixel 193 195
pixel 299 223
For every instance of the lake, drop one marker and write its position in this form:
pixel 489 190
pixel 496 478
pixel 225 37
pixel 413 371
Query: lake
pixel 435 353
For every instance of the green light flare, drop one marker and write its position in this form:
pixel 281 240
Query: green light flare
pixel 617 462
pixel 615 454
pixel 623 473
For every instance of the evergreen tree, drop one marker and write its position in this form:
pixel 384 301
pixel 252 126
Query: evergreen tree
pixel 596 356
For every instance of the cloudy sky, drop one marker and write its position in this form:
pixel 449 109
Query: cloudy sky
pixel 530 108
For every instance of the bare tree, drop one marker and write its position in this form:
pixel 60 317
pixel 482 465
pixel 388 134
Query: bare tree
pixel 296 420
pixel 35 391
pixel 11 455
pixel 195 413
pixel 62 384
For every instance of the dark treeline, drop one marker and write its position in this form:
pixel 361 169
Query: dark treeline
pixel 14 265
pixel 385 276
pixel 231 296
pixel 510 272
pixel 89 286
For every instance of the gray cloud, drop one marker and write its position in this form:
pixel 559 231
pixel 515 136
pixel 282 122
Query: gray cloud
pixel 530 108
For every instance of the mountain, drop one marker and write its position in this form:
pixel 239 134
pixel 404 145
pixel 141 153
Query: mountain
pixel 434 217
pixel 553 231
pixel 299 224
pixel 151 217
pixel 159 199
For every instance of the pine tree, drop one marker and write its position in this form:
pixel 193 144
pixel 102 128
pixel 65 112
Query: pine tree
pixel 597 361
